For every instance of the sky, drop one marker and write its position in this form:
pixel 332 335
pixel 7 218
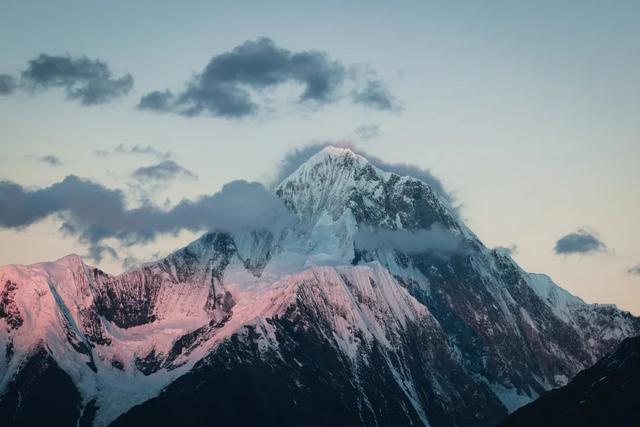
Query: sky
pixel 527 112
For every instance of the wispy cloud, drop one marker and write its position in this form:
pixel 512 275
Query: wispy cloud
pixel 634 270
pixel 51 160
pixel 163 171
pixel 367 132
pixel 580 242
pixel 7 84
pixel 375 94
pixel 435 239
pixel 137 150
pixel 131 260
pixel 143 150
pixel 223 88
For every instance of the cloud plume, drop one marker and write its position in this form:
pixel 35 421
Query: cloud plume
pixel 89 81
pixel 580 242
pixel 435 239
pixel 94 213
pixel 223 88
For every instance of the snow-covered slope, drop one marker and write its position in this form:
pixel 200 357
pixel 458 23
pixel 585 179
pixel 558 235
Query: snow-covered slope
pixel 396 332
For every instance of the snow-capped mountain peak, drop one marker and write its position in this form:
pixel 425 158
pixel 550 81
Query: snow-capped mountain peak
pixel 308 315
pixel 336 180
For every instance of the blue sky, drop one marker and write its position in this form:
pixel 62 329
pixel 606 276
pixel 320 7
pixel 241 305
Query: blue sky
pixel 528 112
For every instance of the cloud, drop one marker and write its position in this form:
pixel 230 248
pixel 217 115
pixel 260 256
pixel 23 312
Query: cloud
pixel 435 239
pixel 87 80
pixel 579 242
pixel 223 88
pixel 156 100
pixel 145 150
pixel 98 251
pixel 634 270
pixel 367 132
pixel 293 159
pixel 93 213
pixel 7 84
pixel 138 150
pixel 51 160
pixel 375 94
pixel 163 171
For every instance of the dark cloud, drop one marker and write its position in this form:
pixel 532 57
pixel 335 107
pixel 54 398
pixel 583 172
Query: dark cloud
pixel 224 87
pixel 297 157
pixel 163 171
pixel 634 270
pixel 98 251
pixel 94 213
pixel 366 132
pixel 7 84
pixel 89 81
pixel 435 239
pixel 579 242
pixel 51 160
pixel 375 94
pixel 156 100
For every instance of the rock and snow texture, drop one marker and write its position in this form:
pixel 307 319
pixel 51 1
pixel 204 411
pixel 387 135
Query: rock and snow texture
pixel 349 346
pixel 516 330
pixel 606 394
pixel 305 322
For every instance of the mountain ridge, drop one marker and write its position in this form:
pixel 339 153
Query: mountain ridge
pixel 124 340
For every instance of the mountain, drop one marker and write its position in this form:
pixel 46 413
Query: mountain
pixel 607 394
pixel 377 307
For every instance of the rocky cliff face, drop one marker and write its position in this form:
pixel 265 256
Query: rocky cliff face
pixel 417 323
pixel 605 394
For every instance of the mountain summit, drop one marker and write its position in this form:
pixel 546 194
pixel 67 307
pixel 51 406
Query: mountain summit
pixel 378 306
